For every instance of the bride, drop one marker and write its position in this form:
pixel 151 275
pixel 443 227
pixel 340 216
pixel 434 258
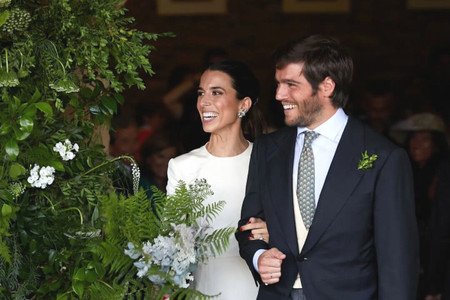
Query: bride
pixel 227 91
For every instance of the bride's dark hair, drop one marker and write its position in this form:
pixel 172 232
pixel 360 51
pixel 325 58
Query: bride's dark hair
pixel 246 85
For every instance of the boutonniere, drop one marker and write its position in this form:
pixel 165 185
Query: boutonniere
pixel 366 161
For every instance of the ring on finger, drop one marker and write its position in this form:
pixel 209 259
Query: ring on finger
pixel 261 238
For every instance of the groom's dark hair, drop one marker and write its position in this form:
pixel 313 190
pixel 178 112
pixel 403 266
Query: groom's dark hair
pixel 322 57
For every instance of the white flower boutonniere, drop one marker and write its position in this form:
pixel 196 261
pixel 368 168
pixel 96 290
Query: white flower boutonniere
pixel 366 161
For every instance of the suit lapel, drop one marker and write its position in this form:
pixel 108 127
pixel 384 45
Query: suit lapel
pixel 341 180
pixel 280 158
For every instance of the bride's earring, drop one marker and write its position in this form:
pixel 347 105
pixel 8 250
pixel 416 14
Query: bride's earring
pixel 241 114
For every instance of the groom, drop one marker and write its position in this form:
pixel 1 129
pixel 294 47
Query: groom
pixel 341 225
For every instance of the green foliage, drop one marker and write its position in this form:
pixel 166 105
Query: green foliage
pixel 366 161
pixel 63 65
pixel 146 220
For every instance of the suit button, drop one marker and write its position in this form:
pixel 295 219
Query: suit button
pixel 305 258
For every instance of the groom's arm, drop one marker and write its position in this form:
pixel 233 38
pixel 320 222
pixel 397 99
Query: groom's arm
pixel 252 207
pixel 395 229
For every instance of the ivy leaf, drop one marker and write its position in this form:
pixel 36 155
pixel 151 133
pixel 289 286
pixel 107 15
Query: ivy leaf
pixel 12 149
pixel 45 108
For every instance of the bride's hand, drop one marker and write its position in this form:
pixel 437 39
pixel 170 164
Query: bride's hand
pixel 258 229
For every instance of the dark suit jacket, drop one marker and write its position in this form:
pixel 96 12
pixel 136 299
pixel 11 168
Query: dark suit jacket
pixel 363 241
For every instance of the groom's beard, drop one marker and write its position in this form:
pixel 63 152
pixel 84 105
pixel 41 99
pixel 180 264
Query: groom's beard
pixel 308 111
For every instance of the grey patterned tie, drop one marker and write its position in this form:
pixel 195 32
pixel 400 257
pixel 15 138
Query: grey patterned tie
pixel 305 180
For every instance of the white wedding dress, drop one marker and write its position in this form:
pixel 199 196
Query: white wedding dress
pixel 227 274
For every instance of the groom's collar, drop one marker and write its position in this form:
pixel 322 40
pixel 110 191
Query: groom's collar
pixel 331 128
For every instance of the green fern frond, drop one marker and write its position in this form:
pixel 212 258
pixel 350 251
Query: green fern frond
pixel 103 291
pixel 4 251
pixel 190 294
pixel 219 240
pixel 209 211
pixel 113 256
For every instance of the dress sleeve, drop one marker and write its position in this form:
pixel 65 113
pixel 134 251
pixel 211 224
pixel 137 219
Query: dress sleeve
pixel 172 178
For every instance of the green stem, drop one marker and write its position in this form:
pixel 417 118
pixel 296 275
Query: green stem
pixel 105 283
pixel 51 203
pixel 74 208
pixel 6 60
pixel 108 162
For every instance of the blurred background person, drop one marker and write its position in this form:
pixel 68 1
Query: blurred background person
pixel 156 151
pixel 152 116
pixel 379 106
pixel 427 147
pixel 123 141
pixel 439 270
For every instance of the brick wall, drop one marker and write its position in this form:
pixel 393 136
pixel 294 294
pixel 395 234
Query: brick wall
pixel 387 40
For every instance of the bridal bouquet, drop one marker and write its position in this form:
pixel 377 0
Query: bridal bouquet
pixel 183 238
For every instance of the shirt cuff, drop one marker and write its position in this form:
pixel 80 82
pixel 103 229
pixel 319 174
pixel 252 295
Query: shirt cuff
pixel 256 257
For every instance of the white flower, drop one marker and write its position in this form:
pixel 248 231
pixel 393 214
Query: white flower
pixel 65 150
pixel 40 177
pixel 131 252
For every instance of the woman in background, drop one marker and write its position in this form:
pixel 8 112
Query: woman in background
pixel 156 151
pixel 227 92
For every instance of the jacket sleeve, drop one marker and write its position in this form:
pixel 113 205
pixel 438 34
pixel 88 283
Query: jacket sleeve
pixel 251 207
pixel 395 229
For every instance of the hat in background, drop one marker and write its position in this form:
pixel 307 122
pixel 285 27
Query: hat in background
pixel 417 122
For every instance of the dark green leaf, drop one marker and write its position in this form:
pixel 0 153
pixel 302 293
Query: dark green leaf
pixel 26 124
pixel 45 108
pixel 6 210
pixel 78 288
pixel 119 98
pixel 110 104
pixel 12 149
pixel 79 274
pixel 4 129
pixel 30 111
pixel 5 196
pixel 35 96
pixel 91 276
pixel 3 17
pixel 16 170
pixel 20 134
pixel 57 165
pixel 99 269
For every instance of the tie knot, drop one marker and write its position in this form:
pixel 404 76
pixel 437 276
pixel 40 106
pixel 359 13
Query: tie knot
pixel 310 136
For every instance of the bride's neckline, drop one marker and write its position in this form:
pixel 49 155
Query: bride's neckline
pixel 227 156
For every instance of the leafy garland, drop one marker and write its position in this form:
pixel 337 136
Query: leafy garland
pixel 63 65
